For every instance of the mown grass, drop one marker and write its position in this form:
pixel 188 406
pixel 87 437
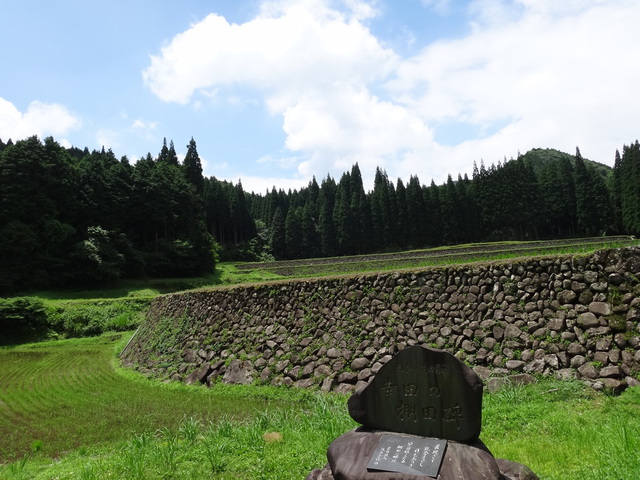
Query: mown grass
pixel 64 395
pixel 68 412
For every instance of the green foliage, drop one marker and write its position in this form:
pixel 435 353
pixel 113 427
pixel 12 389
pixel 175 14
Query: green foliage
pixel 627 187
pixel 21 318
pixel 91 317
pixel 98 258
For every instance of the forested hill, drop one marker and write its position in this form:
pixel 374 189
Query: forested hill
pixel 541 157
pixel 71 216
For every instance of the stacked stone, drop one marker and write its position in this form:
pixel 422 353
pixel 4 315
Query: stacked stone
pixel 572 317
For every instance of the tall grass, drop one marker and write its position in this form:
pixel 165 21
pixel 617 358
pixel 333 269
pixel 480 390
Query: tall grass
pixel 564 430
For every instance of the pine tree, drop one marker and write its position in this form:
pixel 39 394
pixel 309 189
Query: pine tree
pixel 585 205
pixel 416 213
pixel 193 167
pixel 450 217
pixel 293 233
pixel 244 227
pixel 163 156
pixel 360 213
pixel 616 194
pixel 630 188
pixel 403 218
pixel 343 218
pixel 433 208
pixel 277 239
pixel 326 224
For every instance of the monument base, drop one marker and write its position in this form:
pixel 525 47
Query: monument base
pixel 349 455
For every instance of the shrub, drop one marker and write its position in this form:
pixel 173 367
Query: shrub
pixel 21 318
pixel 81 319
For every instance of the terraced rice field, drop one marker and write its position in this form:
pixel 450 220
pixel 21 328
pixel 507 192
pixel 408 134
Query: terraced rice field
pixel 435 256
pixel 59 396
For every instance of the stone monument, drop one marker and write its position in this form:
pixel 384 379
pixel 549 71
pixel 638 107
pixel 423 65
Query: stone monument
pixel 421 417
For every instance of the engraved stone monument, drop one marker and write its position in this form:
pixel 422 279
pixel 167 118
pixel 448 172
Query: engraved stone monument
pixel 421 417
pixel 424 392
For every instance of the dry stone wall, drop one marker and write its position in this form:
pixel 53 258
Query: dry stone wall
pixel 567 316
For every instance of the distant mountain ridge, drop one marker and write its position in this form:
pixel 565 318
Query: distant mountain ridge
pixel 539 158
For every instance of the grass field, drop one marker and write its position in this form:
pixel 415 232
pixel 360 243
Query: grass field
pixel 430 257
pixel 68 412
pixel 57 397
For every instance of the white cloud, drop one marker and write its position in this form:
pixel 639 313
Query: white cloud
pixel 262 185
pixel 144 129
pixel 41 119
pixel 290 47
pixel 531 73
pixel 555 81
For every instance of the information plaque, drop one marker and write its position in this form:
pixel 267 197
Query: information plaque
pixel 405 454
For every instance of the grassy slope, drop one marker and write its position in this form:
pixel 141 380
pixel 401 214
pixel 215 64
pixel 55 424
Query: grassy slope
pixel 62 395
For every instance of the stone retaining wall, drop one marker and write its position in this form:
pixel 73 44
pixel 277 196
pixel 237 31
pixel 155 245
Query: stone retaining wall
pixel 568 316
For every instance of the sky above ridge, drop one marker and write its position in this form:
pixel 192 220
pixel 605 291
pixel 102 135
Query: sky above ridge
pixel 277 91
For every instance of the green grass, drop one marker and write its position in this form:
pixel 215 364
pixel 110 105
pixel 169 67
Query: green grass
pixel 563 430
pixel 441 256
pixel 68 412
pixel 229 274
pixel 127 289
pixel 68 394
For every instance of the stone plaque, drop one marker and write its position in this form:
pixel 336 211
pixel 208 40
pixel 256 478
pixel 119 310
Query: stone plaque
pixel 349 456
pixel 424 392
pixel 403 454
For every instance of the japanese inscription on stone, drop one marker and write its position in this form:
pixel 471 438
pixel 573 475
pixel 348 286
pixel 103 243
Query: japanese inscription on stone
pixel 423 392
pixel 403 454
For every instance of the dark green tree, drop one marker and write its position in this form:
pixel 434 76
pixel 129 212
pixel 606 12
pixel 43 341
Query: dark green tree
pixel 277 239
pixel 326 224
pixel 343 217
pixel 630 188
pixel 416 214
pixel 293 227
pixel 193 167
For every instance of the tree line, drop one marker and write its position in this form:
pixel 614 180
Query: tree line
pixel 541 194
pixel 72 217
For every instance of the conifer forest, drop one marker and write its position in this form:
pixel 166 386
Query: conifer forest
pixel 72 217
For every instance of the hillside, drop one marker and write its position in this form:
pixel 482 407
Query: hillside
pixel 539 158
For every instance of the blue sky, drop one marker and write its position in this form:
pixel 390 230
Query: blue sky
pixel 275 92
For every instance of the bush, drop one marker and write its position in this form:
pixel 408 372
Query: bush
pixel 21 318
pixel 82 319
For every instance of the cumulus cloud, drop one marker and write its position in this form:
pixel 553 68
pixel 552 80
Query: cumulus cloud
pixel 544 79
pixel 41 119
pixel 290 47
pixel 529 73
